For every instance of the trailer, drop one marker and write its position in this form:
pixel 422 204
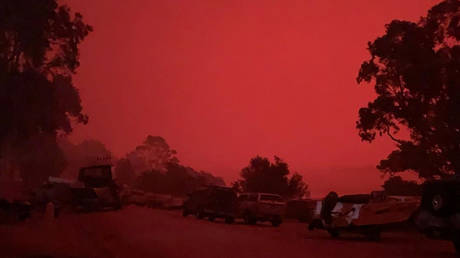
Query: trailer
pixel 367 214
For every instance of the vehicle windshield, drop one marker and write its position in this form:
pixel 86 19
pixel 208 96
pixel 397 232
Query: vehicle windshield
pixel 270 197
pixel 96 172
pixel 96 176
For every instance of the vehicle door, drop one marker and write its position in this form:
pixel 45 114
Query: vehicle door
pixel 271 204
pixel 241 204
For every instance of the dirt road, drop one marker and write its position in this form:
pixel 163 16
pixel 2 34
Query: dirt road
pixel 142 232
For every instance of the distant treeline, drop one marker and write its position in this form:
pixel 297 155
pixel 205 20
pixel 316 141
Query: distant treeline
pixel 154 167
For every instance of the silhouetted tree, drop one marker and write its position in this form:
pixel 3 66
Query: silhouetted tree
pixel 264 176
pixel 38 55
pixel 415 69
pixel 159 170
pixel 176 180
pixel 124 172
pixel 151 181
pixel 38 158
pixel 153 154
pixel 87 153
pixel 395 185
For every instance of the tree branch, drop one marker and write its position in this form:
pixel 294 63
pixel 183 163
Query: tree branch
pixel 393 138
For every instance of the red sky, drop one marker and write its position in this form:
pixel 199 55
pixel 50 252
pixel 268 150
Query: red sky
pixel 223 81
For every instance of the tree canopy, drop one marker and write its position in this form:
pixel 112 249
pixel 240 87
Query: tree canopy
pixel 39 53
pixel 154 167
pixel 86 153
pixel 153 154
pixel 124 172
pixel 395 185
pixel 261 175
pixel 40 158
pixel 415 71
pixel 176 180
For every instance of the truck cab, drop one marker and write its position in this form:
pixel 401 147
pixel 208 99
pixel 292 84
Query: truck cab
pixel 98 181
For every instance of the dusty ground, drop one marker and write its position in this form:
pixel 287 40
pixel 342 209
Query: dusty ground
pixel 142 232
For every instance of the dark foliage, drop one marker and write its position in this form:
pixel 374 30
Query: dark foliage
pixel 395 185
pixel 177 180
pixel 415 69
pixel 38 158
pixel 264 176
pixel 153 154
pixel 39 53
pixel 156 169
pixel 124 172
pixel 87 153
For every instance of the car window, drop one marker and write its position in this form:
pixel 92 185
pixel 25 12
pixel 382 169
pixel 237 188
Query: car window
pixel 225 195
pixel 96 172
pixel 270 197
pixel 252 197
pixel 243 197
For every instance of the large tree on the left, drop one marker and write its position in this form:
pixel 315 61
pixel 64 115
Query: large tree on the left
pixel 39 54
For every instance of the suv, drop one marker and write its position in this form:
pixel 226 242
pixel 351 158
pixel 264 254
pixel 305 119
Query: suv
pixel 14 211
pixel 212 202
pixel 253 207
pixel 439 214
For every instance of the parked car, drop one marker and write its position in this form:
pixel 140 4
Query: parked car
pixel 211 202
pixel 439 214
pixel 61 193
pixel 253 207
pixel 367 214
pixel 133 197
pixel 14 211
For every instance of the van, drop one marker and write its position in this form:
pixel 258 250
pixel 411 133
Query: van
pixel 253 207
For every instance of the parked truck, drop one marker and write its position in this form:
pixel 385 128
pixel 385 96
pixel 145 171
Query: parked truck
pixel 94 189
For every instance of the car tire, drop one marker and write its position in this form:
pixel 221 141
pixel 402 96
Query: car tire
pixel 117 206
pixel 211 218
pixel 433 233
pixel 456 242
pixel 229 220
pixel 438 201
pixel 373 235
pixel 200 215
pixel 246 218
pixel 249 219
pixel 276 223
pixel 315 224
pixel 334 233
